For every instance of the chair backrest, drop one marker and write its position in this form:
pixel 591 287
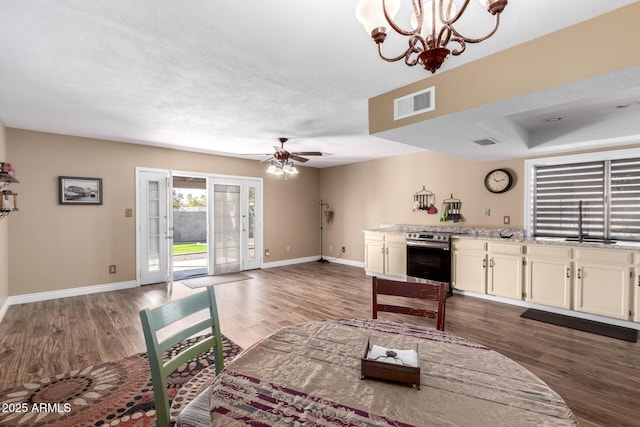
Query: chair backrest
pixel 154 319
pixel 423 291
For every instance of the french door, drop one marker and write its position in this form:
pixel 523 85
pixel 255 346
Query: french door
pixel 236 232
pixel 234 223
pixel 154 227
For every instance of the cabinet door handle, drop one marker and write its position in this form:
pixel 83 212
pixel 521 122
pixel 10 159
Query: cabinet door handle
pixel 568 272
pixel 382 250
pixel 484 264
pixel 491 263
pixel 579 273
pixel 387 251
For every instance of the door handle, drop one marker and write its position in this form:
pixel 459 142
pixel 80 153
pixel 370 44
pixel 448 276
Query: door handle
pixel 484 263
pixel 568 272
pixel 491 263
pixel 579 273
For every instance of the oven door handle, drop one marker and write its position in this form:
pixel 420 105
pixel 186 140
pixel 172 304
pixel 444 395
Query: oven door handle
pixel 434 245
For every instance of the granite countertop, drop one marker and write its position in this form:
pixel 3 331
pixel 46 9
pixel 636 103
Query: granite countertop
pixel 496 234
pixel 559 241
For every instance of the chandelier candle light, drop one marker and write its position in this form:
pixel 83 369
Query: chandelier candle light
pixel 433 24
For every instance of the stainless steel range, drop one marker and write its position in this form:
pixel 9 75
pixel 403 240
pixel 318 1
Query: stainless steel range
pixel 429 256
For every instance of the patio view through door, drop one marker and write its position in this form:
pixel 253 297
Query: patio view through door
pixel 226 236
pixel 190 226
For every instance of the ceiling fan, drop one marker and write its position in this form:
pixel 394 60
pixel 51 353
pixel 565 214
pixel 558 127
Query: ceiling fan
pixel 283 156
pixel 281 161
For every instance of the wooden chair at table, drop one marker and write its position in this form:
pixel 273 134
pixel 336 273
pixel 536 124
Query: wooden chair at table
pixel 422 291
pixel 154 319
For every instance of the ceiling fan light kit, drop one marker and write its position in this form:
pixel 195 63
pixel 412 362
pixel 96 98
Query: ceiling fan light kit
pixel 432 30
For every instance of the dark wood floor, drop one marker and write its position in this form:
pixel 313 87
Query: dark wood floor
pixel 598 377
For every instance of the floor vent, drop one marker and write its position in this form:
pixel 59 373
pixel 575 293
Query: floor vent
pixel 414 103
pixel 485 141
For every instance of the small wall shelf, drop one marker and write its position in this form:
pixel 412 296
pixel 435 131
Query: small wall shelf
pixel 8 199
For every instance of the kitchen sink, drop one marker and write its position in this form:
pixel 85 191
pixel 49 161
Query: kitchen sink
pixel 591 240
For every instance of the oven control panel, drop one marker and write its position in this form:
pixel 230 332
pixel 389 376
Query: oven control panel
pixel 428 237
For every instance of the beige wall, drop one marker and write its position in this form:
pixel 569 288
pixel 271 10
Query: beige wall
pixel 57 247
pixel 4 232
pixel 365 195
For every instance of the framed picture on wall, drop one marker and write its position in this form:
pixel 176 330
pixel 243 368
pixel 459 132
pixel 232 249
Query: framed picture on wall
pixel 75 190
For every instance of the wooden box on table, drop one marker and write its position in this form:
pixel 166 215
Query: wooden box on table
pixel 389 371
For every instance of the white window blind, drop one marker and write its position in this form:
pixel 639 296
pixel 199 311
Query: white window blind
pixel 558 190
pixel 603 195
pixel 625 199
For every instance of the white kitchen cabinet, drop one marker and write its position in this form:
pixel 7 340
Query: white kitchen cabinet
pixel 603 280
pixel 469 265
pixel 395 255
pixel 548 275
pixel 385 254
pixel 374 258
pixel 505 274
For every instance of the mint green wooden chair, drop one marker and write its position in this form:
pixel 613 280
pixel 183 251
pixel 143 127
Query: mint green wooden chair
pixel 154 319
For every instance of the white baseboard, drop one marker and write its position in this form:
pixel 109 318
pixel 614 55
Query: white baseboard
pixel 4 308
pixel 71 292
pixel 350 262
pixel 580 315
pixel 291 261
pixel 311 259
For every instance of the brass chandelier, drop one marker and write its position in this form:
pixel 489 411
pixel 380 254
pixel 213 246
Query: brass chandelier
pixel 433 23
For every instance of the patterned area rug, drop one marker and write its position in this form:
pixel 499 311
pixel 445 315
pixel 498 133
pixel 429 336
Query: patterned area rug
pixel 117 393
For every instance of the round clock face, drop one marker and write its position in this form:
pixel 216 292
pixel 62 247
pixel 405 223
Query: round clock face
pixel 498 181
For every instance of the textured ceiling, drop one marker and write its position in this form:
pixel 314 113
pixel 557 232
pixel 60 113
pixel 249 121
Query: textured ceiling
pixel 223 77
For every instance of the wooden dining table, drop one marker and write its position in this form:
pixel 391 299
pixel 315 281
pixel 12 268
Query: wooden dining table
pixel 310 375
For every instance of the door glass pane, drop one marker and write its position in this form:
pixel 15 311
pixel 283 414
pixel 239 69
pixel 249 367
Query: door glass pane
pixel 153 219
pixel 226 228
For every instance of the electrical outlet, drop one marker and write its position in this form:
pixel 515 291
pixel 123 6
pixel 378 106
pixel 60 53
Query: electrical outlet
pixel 112 269
pixel 266 252
pixel 344 249
pixel 506 220
pixel 486 211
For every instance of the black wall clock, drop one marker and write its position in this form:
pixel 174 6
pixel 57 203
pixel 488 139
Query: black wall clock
pixel 498 180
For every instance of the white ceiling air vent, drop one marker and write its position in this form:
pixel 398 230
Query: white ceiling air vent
pixel 485 141
pixel 414 103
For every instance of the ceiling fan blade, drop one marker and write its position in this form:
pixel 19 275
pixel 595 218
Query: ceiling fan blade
pixel 308 153
pixel 298 158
